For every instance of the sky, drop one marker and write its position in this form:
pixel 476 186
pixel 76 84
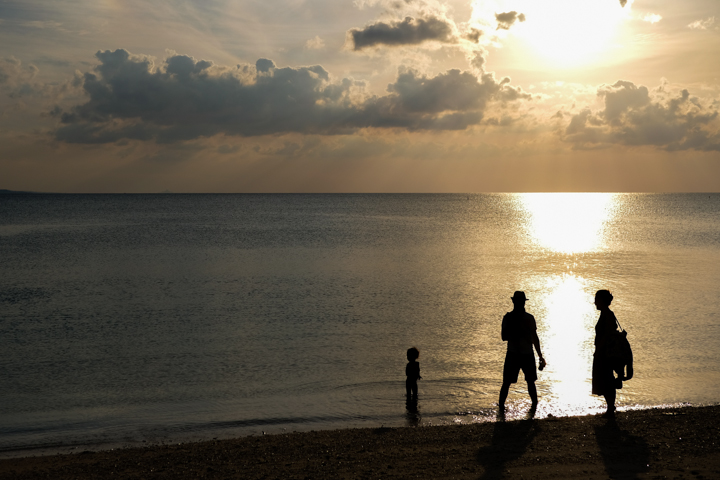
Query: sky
pixel 134 96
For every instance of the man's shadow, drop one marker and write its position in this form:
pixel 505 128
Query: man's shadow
pixel 509 442
pixel 624 455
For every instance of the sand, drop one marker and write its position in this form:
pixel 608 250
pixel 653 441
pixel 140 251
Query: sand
pixel 655 443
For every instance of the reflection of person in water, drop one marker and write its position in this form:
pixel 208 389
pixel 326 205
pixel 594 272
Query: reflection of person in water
pixel 603 379
pixel 412 371
pixel 520 332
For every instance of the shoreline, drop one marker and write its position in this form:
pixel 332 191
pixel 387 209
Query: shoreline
pixel 669 443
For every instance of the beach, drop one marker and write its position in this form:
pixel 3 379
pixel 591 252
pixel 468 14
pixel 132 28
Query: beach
pixel 652 443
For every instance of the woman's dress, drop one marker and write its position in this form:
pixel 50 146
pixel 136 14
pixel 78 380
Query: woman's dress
pixel 603 379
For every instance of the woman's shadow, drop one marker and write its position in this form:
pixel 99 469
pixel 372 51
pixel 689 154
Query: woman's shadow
pixel 624 455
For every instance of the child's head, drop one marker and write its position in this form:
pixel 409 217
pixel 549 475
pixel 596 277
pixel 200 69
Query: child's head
pixel 413 354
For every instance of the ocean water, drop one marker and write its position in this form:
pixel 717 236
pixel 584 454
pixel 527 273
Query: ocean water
pixel 161 318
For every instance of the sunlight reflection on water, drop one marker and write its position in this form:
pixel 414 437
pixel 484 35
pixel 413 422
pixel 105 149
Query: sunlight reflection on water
pixel 568 340
pixel 568 222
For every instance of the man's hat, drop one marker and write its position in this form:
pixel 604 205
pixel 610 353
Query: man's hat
pixel 518 295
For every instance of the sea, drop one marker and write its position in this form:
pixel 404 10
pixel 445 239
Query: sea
pixel 151 319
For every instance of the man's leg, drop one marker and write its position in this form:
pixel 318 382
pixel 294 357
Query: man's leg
pixel 503 394
pixel 533 392
pixel 511 369
pixel 530 371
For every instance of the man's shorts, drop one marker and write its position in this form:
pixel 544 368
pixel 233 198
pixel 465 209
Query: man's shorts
pixel 514 362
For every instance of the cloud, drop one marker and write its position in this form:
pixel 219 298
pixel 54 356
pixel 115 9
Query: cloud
pixel 622 96
pixel 184 99
pixel 187 99
pixel 316 43
pixel 264 65
pixel 53 61
pixel 13 73
pixel 702 24
pixel 623 3
pixel 225 149
pixel 453 91
pixel 20 81
pixel 633 115
pixel 477 60
pixel 652 18
pixel 410 31
pixel 474 35
pixel 508 19
pixel 43 24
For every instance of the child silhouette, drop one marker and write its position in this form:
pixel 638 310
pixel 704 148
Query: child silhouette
pixel 412 371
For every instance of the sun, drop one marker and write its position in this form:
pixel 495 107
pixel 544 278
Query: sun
pixel 564 33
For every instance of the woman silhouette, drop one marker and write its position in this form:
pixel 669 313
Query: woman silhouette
pixel 603 378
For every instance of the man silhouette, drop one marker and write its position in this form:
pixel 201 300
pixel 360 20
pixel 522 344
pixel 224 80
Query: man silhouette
pixel 520 332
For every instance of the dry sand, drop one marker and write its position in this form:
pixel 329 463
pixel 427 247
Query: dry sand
pixel 656 443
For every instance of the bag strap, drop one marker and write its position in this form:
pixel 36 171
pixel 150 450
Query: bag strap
pixel 618 324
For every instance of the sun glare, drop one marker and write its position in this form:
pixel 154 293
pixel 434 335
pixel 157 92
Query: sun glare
pixel 568 222
pixel 564 33
pixel 568 342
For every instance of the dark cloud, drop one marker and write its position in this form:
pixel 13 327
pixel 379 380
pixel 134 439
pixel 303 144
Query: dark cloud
pixel 410 31
pixel 129 98
pixel 454 90
pixel 474 35
pixel 264 65
pixel 632 116
pixel 621 97
pixel 623 3
pixel 508 19
pixel 454 100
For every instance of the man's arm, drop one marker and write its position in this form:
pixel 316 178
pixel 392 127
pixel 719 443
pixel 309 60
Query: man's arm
pixel 503 329
pixel 536 339
pixel 536 342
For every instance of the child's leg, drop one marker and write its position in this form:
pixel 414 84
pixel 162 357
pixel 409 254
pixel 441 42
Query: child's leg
pixel 408 387
pixel 415 389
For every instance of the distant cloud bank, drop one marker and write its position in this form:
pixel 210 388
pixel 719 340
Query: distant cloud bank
pixel 130 98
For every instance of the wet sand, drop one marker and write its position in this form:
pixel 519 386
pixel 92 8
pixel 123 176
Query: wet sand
pixel 656 443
